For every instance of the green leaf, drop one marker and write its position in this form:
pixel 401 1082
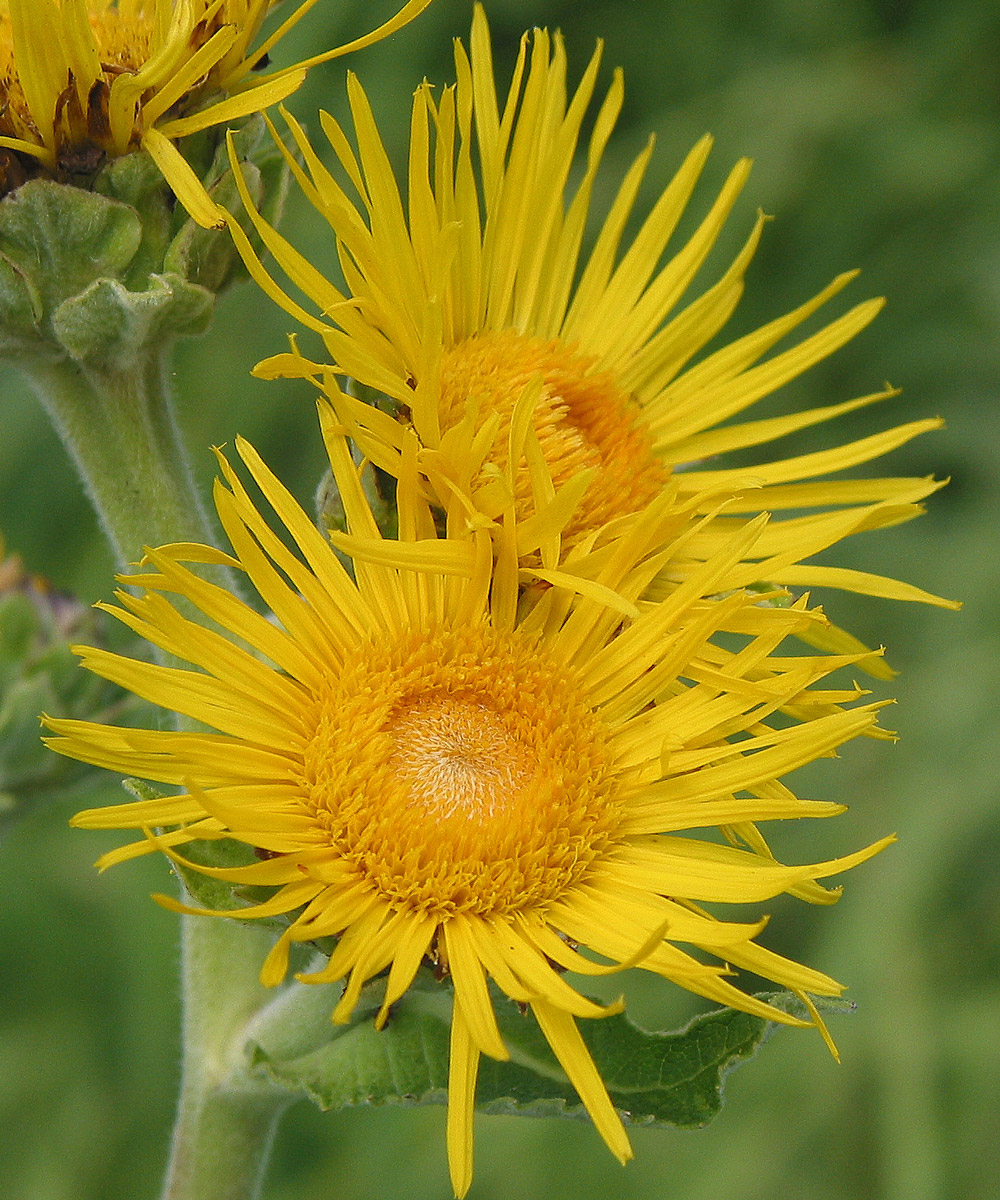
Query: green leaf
pixel 655 1079
pixel 342 1066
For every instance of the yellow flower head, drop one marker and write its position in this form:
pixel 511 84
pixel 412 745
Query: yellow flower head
pixel 471 293
pixel 84 79
pixel 436 762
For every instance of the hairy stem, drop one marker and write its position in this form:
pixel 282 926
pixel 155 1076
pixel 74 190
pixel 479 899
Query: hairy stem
pixel 119 429
pixel 225 1120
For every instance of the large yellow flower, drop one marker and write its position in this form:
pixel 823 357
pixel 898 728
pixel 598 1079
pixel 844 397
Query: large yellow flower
pixel 435 762
pixel 472 290
pixel 85 79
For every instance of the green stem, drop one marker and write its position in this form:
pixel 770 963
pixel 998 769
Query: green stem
pixel 225 1121
pixel 120 430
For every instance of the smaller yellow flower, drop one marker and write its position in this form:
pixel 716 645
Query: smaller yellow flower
pixel 468 289
pixel 81 80
pixel 436 761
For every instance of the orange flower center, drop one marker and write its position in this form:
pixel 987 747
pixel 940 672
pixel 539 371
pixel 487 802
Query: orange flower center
pixel 582 420
pixel 462 771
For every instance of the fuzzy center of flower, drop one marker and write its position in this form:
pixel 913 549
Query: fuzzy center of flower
pixel 582 420
pixel 462 771
pixel 458 759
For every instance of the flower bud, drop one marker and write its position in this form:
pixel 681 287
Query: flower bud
pixel 104 275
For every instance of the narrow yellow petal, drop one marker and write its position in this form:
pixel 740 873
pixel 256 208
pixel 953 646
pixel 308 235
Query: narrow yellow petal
pixel 568 1046
pixel 471 996
pixel 188 188
pixel 265 93
pixel 462 1071
pixel 863 582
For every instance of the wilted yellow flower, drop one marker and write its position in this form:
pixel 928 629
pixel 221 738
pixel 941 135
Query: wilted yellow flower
pixel 432 765
pixel 84 79
pixel 471 292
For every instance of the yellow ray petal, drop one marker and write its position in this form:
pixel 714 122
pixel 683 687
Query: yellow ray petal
pixel 463 1066
pixel 471 996
pixel 568 1046
pixel 188 188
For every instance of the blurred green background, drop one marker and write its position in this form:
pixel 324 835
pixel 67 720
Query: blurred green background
pixel 874 126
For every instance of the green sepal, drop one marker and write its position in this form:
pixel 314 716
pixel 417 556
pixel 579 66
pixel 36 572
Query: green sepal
pixel 256 148
pixel 54 241
pixel 76 279
pixel 139 789
pixel 135 180
pixel 21 308
pixel 63 237
pixel 332 516
pixel 203 890
pixel 105 274
pixel 216 893
pixel 379 490
pixel 107 327
pixel 659 1079
pixel 208 256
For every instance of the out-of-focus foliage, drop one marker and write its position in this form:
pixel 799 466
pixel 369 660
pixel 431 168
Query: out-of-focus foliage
pixel 39 673
pixel 876 130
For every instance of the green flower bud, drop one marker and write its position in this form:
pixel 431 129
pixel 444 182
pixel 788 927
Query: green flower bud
pixel 102 276
pixel 39 673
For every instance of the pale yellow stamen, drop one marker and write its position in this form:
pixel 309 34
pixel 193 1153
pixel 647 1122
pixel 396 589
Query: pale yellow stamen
pixel 458 759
